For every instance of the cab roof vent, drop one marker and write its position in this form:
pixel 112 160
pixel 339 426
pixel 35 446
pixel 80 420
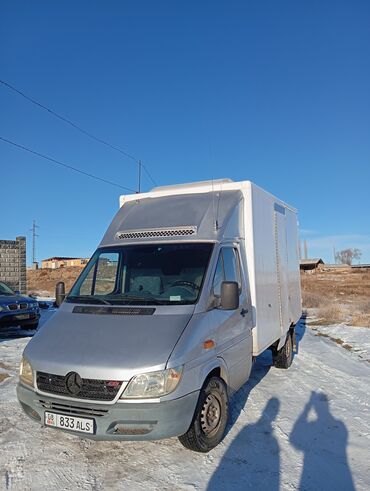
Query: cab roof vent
pixel 157 232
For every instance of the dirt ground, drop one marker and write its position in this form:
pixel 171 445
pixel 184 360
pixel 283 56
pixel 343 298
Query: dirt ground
pixel 341 295
pixel 43 281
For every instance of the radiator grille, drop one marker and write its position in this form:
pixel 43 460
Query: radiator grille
pixel 158 232
pixel 73 410
pixel 98 390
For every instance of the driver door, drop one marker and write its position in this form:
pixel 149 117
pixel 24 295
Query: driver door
pixel 234 336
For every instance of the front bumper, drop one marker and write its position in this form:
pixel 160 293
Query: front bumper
pixel 120 421
pixel 10 319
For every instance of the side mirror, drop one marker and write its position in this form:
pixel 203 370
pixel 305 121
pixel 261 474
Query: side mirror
pixel 60 293
pixel 17 292
pixel 229 295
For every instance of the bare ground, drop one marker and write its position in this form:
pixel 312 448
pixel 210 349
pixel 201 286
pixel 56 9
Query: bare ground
pixel 341 295
pixel 43 281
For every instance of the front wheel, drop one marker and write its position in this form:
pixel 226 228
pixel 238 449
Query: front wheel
pixel 210 418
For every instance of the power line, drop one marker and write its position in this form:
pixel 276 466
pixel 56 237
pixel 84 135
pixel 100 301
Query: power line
pixel 58 162
pixel 79 128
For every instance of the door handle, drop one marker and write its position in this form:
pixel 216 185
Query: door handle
pixel 243 312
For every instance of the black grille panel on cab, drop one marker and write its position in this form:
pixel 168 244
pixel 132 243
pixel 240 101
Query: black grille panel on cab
pixel 98 390
pixel 74 410
pixel 158 232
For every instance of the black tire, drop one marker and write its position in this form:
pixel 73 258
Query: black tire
pixel 28 327
pixel 210 417
pixel 284 357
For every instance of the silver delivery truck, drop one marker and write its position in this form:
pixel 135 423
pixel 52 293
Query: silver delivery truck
pixel 188 285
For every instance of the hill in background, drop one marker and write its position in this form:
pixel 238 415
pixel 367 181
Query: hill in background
pixel 332 296
pixel 42 281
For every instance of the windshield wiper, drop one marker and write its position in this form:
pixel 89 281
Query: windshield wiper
pixel 88 299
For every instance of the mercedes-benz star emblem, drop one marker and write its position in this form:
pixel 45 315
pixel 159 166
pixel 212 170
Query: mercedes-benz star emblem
pixel 73 383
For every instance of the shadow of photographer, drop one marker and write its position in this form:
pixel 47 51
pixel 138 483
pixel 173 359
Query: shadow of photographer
pixel 252 461
pixel 323 440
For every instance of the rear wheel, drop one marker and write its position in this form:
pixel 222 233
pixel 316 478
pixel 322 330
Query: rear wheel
pixel 284 357
pixel 210 418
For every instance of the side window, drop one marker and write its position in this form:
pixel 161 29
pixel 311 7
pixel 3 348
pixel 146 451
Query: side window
pixel 106 272
pixel 86 286
pixel 219 276
pixel 227 269
pixel 231 265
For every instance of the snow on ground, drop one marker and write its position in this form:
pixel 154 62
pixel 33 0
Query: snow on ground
pixel 353 339
pixel 306 428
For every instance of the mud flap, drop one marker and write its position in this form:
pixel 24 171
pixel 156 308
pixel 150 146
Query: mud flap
pixel 294 340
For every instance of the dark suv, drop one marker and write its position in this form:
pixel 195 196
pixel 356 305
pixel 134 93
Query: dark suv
pixel 17 309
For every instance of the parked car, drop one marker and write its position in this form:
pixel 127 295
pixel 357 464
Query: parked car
pixel 189 284
pixel 17 309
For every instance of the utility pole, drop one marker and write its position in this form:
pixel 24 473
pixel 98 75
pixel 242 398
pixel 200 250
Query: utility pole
pixel 334 255
pixel 34 235
pixel 305 250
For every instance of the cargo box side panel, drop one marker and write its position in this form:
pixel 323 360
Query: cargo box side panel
pixel 295 303
pixel 261 256
pixel 281 262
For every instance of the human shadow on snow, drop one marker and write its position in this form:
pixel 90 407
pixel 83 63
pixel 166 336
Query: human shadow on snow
pixel 252 460
pixel 323 441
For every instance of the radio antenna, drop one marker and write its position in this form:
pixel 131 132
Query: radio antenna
pixel 215 223
pixel 218 204
pixel 213 207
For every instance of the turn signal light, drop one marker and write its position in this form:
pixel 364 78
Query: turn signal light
pixel 209 344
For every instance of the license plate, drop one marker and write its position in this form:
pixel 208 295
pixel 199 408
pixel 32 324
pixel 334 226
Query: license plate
pixel 22 316
pixel 71 423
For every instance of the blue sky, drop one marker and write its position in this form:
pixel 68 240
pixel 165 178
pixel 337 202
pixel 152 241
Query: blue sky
pixel 274 92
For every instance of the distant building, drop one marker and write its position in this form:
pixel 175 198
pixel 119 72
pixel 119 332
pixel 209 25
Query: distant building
pixel 310 264
pixel 360 266
pixel 328 267
pixel 62 262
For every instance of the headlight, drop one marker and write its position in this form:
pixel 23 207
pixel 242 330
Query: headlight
pixel 26 373
pixel 153 384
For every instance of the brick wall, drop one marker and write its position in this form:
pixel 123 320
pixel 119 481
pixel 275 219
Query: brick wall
pixel 13 263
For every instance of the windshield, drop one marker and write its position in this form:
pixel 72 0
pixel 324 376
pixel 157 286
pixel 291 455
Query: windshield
pixel 141 275
pixel 5 290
